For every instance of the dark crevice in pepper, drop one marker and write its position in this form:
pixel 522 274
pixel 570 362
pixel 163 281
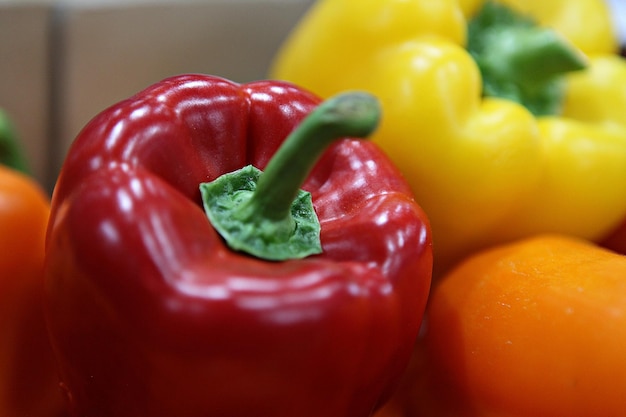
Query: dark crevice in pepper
pixel 519 60
pixel 266 214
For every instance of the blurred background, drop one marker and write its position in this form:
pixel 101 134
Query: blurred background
pixel 63 61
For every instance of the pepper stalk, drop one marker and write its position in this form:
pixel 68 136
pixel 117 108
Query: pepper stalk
pixel 519 60
pixel 266 214
pixel 11 154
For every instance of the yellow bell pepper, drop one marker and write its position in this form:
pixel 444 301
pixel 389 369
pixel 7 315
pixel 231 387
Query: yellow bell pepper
pixel 485 169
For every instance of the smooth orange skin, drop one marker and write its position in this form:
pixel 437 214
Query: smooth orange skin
pixel 532 329
pixel 28 382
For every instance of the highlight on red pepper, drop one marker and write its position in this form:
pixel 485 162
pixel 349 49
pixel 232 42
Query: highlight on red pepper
pixel 152 313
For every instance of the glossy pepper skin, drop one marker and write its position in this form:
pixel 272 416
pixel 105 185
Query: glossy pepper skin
pixel 534 328
pixel 485 169
pixel 151 314
pixel 28 380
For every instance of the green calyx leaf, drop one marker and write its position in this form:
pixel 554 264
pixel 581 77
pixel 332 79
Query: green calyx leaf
pixel 294 236
pixel 266 214
pixel 519 60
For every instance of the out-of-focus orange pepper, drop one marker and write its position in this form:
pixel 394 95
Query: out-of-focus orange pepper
pixel 536 328
pixel 28 383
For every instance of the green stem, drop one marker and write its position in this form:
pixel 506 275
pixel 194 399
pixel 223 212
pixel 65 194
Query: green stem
pixel 266 214
pixel 354 114
pixel 531 55
pixel 519 60
pixel 10 153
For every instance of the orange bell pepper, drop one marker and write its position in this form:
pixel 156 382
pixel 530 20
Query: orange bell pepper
pixel 28 382
pixel 533 329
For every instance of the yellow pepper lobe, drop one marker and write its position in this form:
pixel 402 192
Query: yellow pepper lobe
pixel 485 169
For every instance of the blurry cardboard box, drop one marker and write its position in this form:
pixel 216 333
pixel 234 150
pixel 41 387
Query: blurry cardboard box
pixel 75 58
pixel 24 77
pixel 113 51
pixel 63 61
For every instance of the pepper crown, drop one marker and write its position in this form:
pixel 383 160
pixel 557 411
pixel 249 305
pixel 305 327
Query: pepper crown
pixel 519 60
pixel 266 214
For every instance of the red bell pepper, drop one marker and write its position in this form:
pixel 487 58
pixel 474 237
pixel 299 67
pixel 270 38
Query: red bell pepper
pixel 152 314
